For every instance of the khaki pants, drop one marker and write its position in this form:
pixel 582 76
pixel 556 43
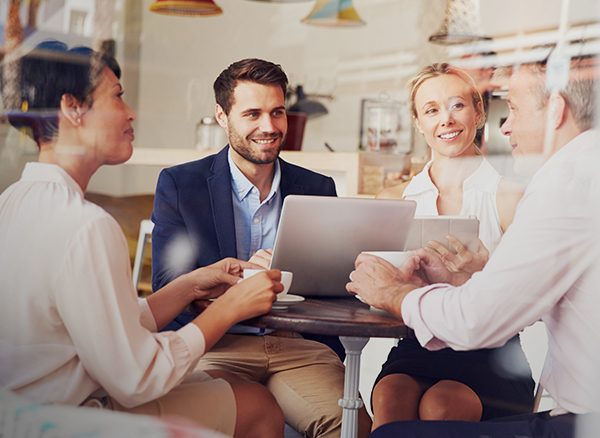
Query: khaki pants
pixel 199 398
pixel 306 377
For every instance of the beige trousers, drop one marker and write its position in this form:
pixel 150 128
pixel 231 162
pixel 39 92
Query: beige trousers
pixel 306 377
pixel 199 398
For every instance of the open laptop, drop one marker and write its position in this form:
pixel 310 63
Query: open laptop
pixel 319 238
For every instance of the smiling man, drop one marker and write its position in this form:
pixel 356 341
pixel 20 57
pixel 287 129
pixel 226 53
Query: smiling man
pixel 229 204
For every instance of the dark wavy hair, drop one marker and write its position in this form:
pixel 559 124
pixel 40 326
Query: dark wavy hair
pixel 251 70
pixel 48 72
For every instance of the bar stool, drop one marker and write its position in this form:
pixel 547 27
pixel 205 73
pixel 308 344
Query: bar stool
pixel 145 236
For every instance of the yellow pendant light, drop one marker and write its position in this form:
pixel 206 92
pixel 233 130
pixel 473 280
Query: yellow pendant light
pixel 186 8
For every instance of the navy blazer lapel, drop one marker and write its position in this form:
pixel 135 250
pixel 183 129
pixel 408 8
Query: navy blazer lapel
pixel 219 189
pixel 289 183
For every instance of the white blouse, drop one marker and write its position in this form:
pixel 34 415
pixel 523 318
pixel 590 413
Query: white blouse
pixel 70 319
pixel 479 199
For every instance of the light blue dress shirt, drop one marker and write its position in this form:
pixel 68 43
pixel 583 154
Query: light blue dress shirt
pixel 255 221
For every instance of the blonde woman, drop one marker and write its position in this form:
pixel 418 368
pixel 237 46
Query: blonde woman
pixel 416 383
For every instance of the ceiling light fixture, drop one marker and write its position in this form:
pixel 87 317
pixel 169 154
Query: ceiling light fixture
pixel 462 24
pixel 282 1
pixel 186 8
pixel 334 13
pixel 304 104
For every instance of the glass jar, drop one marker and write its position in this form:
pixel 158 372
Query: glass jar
pixel 381 125
pixel 209 135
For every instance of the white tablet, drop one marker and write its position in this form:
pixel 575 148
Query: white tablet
pixel 427 228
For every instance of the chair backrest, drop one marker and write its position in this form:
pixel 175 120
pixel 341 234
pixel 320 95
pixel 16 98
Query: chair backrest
pixel 146 227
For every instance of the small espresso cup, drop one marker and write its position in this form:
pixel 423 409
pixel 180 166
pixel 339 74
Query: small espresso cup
pixel 396 258
pixel 286 278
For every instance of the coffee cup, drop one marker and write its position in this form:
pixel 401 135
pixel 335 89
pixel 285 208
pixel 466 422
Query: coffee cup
pixel 396 258
pixel 286 278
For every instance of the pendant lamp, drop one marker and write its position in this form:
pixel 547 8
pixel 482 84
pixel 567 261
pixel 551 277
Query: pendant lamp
pixel 334 13
pixel 312 108
pixel 186 8
pixel 281 1
pixel 461 25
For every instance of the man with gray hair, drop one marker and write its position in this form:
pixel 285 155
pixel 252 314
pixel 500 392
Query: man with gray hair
pixel 546 267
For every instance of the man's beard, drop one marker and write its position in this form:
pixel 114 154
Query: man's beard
pixel 243 147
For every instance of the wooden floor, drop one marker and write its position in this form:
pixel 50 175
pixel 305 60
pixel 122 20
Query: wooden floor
pixel 129 211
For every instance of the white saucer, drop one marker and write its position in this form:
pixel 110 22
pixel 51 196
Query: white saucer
pixel 286 300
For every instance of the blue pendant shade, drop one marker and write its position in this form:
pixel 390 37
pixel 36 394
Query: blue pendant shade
pixel 334 13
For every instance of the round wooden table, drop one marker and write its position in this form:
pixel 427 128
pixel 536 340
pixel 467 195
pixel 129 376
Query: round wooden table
pixel 351 320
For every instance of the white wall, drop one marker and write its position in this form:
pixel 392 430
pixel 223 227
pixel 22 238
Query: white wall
pixel 181 57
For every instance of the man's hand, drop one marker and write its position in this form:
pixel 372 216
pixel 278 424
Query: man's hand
pixel 381 284
pixel 464 260
pixel 262 258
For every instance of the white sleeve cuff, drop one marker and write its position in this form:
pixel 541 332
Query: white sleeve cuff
pixel 194 339
pixel 146 317
pixel 412 317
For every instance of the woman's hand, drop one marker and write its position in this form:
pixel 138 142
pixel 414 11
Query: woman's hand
pixel 212 280
pixel 234 266
pixel 249 298
pixel 433 269
pixel 464 261
pixel 252 297
pixel 209 282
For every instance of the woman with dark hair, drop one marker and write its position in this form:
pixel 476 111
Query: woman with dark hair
pixel 72 329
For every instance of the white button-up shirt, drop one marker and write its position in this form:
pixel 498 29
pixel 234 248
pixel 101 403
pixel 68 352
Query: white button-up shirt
pixel 547 267
pixel 70 319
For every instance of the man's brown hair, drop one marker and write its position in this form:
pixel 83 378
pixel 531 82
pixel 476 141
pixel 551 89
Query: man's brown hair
pixel 251 70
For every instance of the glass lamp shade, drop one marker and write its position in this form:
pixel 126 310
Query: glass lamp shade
pixel 333 13
pixel 186 8
pixel 461 24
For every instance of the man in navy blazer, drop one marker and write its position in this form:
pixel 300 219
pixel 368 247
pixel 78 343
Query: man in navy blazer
pixel 193 205
pixel 228 205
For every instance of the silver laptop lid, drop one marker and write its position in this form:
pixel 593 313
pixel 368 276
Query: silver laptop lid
pixel 319 238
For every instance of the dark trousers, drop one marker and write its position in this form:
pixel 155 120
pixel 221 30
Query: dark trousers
pixel 519 426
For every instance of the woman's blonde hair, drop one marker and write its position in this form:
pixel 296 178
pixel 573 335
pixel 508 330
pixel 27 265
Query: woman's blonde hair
pixel 435 70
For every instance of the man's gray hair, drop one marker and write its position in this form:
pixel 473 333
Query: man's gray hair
pixel 580 92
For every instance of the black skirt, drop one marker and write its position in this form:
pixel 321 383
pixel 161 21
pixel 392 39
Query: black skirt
pixel 501 377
